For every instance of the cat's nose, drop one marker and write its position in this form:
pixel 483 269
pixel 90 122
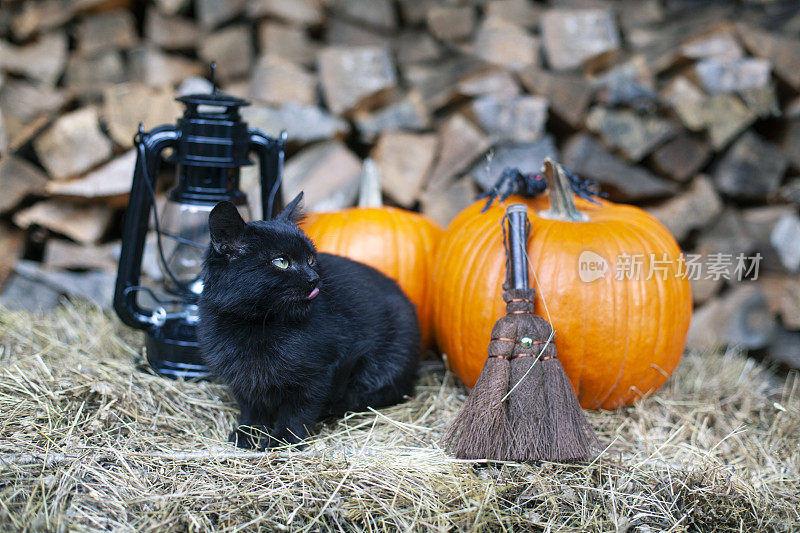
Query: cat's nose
pixel 313 282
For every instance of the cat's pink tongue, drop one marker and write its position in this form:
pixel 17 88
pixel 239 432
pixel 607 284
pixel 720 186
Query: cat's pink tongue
pixel 313 294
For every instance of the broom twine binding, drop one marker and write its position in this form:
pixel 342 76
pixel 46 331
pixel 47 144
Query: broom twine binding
pixel 514 356
pixel 514 340
pixel 509 357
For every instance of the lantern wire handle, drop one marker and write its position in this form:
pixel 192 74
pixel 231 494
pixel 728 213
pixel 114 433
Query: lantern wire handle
pixel 149 291
pixel 185 291
pixel 277 185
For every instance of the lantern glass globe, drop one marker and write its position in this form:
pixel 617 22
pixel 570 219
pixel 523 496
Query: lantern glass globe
pixel 184 239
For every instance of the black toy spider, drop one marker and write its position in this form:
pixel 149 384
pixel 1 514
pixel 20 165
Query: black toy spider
pixel 514 181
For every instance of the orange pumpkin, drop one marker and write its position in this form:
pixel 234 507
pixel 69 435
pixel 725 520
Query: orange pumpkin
pixel 618 339
pixel 399 243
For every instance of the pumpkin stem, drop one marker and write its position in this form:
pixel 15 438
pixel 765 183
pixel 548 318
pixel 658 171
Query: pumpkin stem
pixel 369 192
pixel 562 205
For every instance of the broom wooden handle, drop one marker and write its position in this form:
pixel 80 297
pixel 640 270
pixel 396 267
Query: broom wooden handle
pixel 517 220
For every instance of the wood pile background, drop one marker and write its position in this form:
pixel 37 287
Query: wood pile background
pixel 689 108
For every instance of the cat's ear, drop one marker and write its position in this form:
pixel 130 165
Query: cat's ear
pixel 227 227
pixel 294 211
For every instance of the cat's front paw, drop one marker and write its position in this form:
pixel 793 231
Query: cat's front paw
pixel 244 439
pixel 268 441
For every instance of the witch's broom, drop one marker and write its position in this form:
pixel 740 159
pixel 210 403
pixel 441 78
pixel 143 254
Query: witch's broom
pixel 522 407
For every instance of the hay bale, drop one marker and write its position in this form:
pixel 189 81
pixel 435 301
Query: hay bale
pixel 89 441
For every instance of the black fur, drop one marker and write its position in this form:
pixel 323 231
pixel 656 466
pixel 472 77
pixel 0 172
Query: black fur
pixel 290 361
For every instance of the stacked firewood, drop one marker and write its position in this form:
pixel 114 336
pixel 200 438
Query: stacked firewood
pixel 689 108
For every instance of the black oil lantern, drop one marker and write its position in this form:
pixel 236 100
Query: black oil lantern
pixel 209 145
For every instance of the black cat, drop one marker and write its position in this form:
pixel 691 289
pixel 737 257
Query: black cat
pixel 299 336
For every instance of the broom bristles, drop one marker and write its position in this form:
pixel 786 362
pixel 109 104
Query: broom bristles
pixel 546 421
pixel 573 437
pixel 480 429
pixel 531 432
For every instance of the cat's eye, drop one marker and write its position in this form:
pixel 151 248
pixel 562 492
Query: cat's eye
pixel 311 261
pixel 281 262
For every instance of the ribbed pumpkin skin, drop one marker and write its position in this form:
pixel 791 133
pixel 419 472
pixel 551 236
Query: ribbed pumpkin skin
pixel 618 340
pixel 399 243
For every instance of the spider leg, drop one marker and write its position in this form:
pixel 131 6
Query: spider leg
pixel 583 187
pixel 502 188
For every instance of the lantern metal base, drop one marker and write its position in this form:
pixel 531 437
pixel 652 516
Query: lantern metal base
pixel 176 358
